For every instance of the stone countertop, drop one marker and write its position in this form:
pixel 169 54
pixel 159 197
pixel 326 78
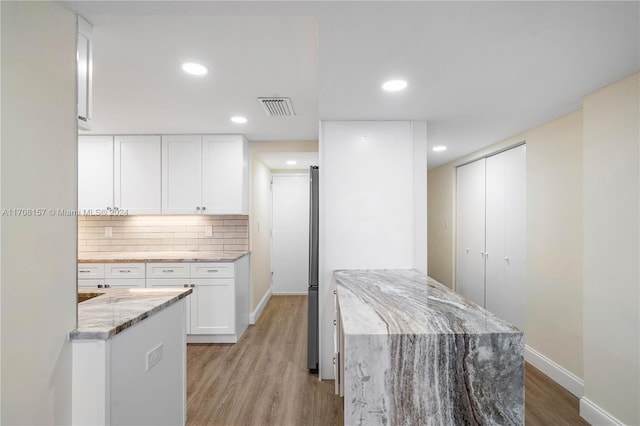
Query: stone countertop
pixel 414 352
pixel 115 310
pixel 161 257
pixel 408 302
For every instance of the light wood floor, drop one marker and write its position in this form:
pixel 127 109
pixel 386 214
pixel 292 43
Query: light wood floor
pixel 263 379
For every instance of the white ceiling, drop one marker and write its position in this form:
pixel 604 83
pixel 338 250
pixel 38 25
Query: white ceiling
pixel 478 72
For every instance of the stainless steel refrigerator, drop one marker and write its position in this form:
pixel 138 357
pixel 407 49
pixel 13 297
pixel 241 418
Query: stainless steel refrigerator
pixel 313 351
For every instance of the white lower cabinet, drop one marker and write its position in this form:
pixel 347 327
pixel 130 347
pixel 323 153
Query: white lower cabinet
pixel 217 311
pixel 111 275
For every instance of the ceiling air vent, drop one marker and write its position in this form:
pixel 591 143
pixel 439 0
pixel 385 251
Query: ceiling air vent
pixel 277 107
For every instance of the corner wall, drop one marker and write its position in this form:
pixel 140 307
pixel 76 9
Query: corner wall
pixel 612 253
pixel 38 171
pixel 260 231
pixel 554 236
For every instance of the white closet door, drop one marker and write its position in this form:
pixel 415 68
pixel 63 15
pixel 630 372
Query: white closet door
pixel 505 239
pixel 470 235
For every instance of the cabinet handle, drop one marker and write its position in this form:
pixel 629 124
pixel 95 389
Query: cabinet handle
pixel 335 291
pixel 107 286
pixel 334 360
pixel 84 271
pixel 186 285
pixel 203 208
pixel 124 271
pixel 100 286
pixel 167 270
pixel 197 208
pixel 506 260
pixel 212 270
pixel 335 322
pixel 193 286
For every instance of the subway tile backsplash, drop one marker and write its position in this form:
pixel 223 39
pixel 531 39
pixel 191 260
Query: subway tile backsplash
pixel 163 233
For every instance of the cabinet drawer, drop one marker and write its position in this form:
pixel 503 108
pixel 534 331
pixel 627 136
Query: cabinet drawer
pixel 168 270
pixel 168 282
pixel 124 270
pixel 90 283
pixel 90 270
pixel 212 270
pixel 129 283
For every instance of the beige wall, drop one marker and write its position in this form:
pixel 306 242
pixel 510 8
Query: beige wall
pixel 260 224
pixel 612 249
pixel 38 171
pixel 554 235
pixel 230 233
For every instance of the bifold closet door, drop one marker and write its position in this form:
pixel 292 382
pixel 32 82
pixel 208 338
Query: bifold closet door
pixel 505 235
pixel 470 231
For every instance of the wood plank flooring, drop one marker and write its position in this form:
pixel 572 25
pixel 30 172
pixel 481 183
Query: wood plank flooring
pixel 263 379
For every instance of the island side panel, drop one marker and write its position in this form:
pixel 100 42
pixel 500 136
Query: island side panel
pixel 434 379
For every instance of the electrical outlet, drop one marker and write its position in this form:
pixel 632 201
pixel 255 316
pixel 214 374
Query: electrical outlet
pixel 208 231
pixel 154 356
pixel 108 231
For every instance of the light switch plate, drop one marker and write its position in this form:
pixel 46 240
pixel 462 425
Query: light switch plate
pixel 208 231
pixel 154 356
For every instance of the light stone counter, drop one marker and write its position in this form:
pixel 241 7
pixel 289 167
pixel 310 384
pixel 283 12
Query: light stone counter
pixel 161 257
pixel 414 352
pixel 115 310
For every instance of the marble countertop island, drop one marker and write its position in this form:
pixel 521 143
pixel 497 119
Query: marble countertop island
pixel 114 310
pixel 411 351
pixel 160 257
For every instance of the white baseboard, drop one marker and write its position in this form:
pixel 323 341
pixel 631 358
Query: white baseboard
pixel 253 317
pixel 557 373
pixel 212 338
pixel 596 415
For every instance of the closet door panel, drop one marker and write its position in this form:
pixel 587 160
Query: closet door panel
pixel 515 190
pixel 495 289
pixel 470 235
pixel 506 238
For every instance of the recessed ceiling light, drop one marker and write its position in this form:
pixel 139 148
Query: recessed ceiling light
pixel 238 119
pixel 291 163
pixel 394 85
pixel 194 69
pixel 439 148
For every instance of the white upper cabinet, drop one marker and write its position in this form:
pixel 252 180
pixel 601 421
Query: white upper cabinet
pixel 137 177
pixel 181 174
pixel 204 174
pixel 225 174
pixel 95 172
pixel 84 59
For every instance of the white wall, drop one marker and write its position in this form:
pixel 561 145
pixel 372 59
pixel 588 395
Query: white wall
pixel 260 231
pixel 38 171
pixel 612 250
pixel 372 205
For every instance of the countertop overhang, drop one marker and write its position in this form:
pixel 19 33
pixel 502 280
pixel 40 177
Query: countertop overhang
pixel 104 316
pixel 161 257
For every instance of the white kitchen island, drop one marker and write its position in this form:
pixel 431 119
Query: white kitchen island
pixel 129 357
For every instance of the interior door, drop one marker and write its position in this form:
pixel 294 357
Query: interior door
pixel 506 238
pixel 470 231
pixel 290 230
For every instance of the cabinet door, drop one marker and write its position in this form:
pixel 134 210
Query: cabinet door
pixel 175 283
pixel 225 174
pixel 138 174
pixel 181 174
pixel 84 59
pixel 470 231
pixel 95 172
pixel 213 307
pixel 505 239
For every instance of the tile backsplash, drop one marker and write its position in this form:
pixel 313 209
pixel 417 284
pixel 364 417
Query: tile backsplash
pixel 163 233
